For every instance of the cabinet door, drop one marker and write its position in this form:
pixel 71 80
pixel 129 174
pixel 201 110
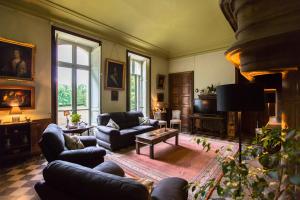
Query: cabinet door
pixel 37 129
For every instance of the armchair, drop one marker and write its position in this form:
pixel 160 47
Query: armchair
pixel 53 147
pixel 64 180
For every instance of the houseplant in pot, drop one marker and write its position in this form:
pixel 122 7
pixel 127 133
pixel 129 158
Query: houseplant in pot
pixel 279 179
pixel 75 119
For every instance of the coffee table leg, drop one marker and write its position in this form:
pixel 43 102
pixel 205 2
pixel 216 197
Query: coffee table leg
pixel 176 140
pixel 151 151
pixel 137 148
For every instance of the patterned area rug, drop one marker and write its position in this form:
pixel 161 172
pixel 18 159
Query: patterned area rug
pixel 187 160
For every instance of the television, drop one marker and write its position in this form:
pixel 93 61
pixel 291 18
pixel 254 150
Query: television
pixel 205 105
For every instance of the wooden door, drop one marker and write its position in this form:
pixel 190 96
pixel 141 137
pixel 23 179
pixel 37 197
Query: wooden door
pixel 181 95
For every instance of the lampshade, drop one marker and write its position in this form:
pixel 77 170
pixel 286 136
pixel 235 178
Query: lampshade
pixel 15 110
pixel 240 97
pixel 66 113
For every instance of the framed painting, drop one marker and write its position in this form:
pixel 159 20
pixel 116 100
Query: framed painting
pixel 16 60
pixel 114 95
pixel 22 96
pixel 160 82
pixel 115 74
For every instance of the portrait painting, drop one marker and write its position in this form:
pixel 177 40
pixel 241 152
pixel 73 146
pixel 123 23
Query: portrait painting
pixel 16 60
pixel 114 95
pixel 114 75
pixel 21 96
pixel 160 82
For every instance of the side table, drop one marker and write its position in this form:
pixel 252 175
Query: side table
pixel 78 130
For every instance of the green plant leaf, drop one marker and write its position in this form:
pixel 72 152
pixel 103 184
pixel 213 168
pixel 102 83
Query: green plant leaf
pixel 295 179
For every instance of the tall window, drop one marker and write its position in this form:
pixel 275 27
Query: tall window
pixel 139 84
pixel 75 80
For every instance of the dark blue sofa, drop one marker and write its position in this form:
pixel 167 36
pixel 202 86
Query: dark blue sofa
pixel 114 139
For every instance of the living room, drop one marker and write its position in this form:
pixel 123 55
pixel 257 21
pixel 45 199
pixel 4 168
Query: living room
pixel 172 100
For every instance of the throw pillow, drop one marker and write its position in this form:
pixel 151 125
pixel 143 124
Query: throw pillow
pixel 144 121
pixel 113 124
pixel 73 142
pixel 146 182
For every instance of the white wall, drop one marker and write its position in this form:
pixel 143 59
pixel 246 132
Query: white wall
pixel 23 27
pixel 209 68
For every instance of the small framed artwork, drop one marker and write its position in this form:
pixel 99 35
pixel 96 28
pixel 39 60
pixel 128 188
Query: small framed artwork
pixel 114 95
pixel 22 96
pixel 16 60
pixel 114 75
pixel 160 83
pixel 160 97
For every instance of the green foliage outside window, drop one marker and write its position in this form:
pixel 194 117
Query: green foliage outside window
pixel 133 105
pixel 65 95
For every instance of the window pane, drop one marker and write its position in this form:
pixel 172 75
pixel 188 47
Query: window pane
pixel 82 89
pixel 64 97
pixel 65 53
pixel 82 56
pixel 133 102
pixel 84 115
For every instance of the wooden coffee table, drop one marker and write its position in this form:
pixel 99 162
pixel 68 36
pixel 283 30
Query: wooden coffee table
pixel 153 137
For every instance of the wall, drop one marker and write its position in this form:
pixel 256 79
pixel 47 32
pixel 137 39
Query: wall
pixel 26 28
pixel 209 68
pixel 116 51
pixel 23 27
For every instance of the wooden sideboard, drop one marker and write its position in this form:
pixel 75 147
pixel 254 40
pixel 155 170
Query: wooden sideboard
pixel 19 140
pixel 208 124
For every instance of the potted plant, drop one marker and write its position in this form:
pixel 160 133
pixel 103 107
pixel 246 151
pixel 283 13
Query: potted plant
pixel 209 90
pixel 244 180
pixel 75 119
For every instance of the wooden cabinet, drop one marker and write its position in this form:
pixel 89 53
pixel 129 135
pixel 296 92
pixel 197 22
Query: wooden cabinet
pixel 18 140
pixel 15 141
pixel 37 127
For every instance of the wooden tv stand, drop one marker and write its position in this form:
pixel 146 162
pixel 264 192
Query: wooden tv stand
pixel 210 124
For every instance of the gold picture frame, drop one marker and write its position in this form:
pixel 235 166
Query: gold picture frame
pixel 17 60
pixel 115 75
pixel 22 96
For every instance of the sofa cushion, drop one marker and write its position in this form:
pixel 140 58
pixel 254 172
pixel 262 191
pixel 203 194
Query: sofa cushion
pixel 144 121
pixel 133 118
pixel 73 142
pixel 128 131
pixel 143 128
pixel 111 123
pixel 110 168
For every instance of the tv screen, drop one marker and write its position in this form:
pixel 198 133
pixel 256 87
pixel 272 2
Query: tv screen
pixel 205 106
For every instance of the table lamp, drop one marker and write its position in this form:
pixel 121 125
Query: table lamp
pixel 15 111
pixel 66 114
pixel 239 98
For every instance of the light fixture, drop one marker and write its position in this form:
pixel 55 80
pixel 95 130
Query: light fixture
pixel 66 114
pixel 15 111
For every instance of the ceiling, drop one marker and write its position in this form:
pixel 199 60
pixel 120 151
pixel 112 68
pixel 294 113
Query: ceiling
pixel 172 27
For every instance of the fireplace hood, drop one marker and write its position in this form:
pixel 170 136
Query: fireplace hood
pixel 267 33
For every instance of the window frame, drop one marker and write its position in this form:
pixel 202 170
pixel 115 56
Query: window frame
pixel 74 67
pixel 128 52
pixel 54 59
